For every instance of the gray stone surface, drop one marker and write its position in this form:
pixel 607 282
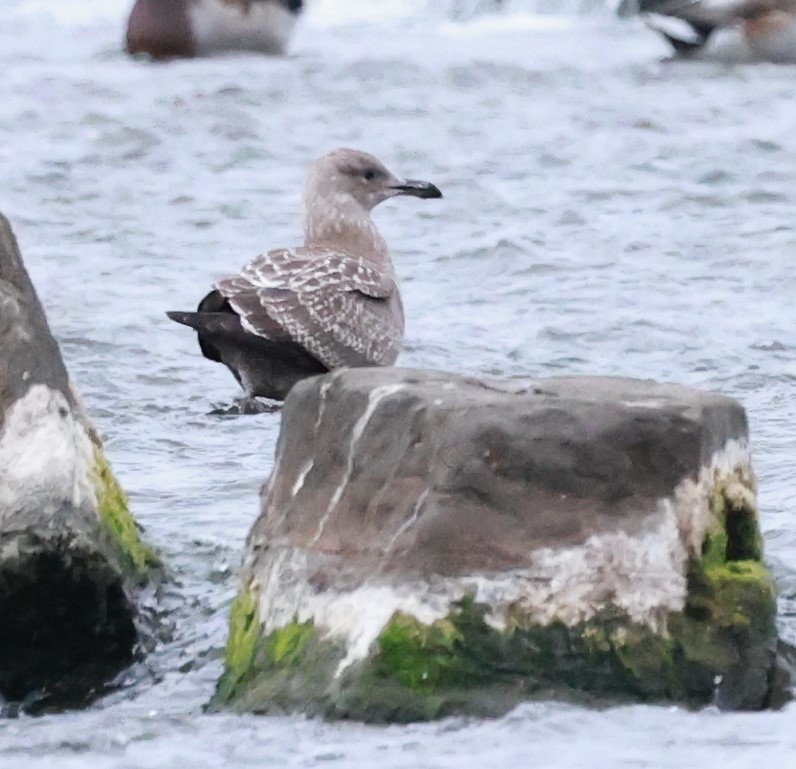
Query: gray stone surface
pixel 30 354
pixel 602 522
pixel 70 556
pixel 487 474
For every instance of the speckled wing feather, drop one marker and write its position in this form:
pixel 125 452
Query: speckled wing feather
pixel 340 308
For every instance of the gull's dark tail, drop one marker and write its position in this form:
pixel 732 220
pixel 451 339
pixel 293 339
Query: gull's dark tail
pixel 214 321
pixel 263 367
pixel 192 319
pixel 215 328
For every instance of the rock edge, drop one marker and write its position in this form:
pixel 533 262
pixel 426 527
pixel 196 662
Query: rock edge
pixel 72 562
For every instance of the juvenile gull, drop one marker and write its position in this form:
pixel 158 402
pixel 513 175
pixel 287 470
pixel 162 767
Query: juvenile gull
pixel 331 303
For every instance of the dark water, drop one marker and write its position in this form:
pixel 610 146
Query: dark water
pixel 604 214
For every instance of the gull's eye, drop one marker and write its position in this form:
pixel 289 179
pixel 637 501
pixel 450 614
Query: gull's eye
pixel 370 174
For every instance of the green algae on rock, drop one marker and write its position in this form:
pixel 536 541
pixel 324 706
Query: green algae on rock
pixel 135 557
pixel 466 546
pixel 266 673
pixel 244 635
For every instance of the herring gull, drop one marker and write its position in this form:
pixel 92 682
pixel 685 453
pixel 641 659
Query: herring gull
pixel 331 303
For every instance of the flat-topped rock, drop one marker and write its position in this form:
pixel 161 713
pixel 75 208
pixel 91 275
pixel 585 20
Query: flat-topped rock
pixel 71 559
pixel 433 544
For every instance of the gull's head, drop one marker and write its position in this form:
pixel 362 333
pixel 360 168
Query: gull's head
pixel 346 175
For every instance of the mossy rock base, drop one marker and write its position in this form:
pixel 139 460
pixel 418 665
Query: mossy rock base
pixel 287 670
pixel 69 624
pixel 720 650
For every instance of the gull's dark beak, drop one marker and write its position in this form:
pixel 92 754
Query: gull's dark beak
pixel 417 189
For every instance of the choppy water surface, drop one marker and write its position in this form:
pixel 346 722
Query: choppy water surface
pixel 604 214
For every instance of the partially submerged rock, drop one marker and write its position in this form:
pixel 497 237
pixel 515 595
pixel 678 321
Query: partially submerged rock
pixel 431 544
pixel 71 559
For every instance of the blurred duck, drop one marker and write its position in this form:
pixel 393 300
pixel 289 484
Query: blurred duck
pixel 736 30
pixel 168 28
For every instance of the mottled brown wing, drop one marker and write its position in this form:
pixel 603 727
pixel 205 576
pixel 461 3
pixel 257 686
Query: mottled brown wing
pixel 340 328
pixel 369 330
pixel 308 269
pixel 348 273
pixel 273 269
pixel 342 309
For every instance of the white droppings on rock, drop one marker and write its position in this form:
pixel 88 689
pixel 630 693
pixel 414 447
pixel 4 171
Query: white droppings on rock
pixel 46 455
pixel 641 575
pixel 302 476
pixel 356 618
pixel 324 390
pixel 691 499
pixel 408 523
pixel 649 403
pixel 375 397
